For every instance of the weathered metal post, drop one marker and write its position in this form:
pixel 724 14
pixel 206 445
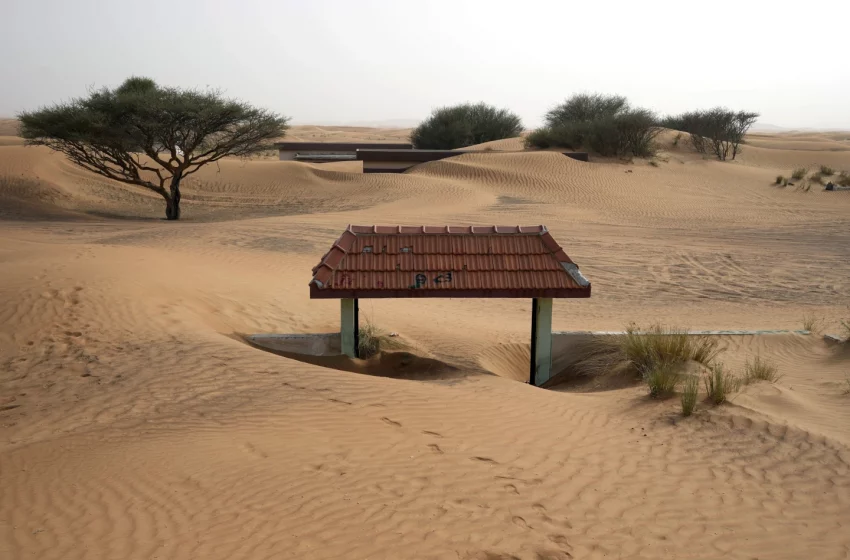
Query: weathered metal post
pixel 348 329
pixel 541 341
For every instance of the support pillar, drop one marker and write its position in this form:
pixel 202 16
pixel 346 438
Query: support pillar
pixel 349 326
pixel 541 341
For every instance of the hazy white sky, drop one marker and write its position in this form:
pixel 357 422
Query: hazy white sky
pixel 341 61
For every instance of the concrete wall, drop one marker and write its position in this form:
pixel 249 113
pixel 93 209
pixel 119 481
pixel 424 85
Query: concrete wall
pixel 289 155
pixel 325 344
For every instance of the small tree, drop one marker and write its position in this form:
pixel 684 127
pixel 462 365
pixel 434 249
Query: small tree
pixel 718 131
pixel 459 126
pixel 151 136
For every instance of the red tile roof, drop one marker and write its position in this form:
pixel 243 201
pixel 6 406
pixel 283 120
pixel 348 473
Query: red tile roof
pixel 447 261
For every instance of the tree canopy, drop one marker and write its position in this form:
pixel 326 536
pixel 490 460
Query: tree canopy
pixel 459 126
pixel 152 136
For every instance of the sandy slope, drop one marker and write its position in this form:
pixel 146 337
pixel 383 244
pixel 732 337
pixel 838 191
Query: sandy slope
pixel 136 423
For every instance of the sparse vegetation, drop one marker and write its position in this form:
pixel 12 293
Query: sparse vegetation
pixel 718 131
pixel 661 379
pixel 816 178
pixel 372 340
pixel 760 369
pixel 152 136
pixel 799 173
pixel 812 323
pixel 719 384
pixel 656 355
pixel 368 340
pixel 605 124
pixel 826 170
pixel 690 392
pixel 846 385
pixel 780 180
pixel 658 345
pixel 843 179
pixel 676 139
pixel 459 126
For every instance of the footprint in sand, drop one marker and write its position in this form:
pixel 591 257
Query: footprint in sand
pixel 391 422
pixel 435 434
pixel 519 522
pixel 511 488
pixel 485 460
pixel 435 448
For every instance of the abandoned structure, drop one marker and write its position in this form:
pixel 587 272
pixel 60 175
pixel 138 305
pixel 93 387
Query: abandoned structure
pixel 324 152
pixel 450 262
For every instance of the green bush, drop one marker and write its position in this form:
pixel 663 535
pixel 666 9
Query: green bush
pixel 449 128
pixel 799 173
pixel 605 124
pixel 690 391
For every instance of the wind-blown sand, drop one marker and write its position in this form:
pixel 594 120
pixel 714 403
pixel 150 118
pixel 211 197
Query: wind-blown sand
pixel 135 422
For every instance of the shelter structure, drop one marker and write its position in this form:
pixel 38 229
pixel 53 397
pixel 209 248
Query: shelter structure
pixel 387 160
pixel 324 152
pixel 450 262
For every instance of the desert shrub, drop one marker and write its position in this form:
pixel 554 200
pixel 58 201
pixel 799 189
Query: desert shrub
pixel 605 124
pixel 826 170
pixel 799 173
pixel 760 369
pixel 816 178
pixel 661 379
pixel 449 128
pixel 843 179
pixel 719 384
pixel 676 139
pixel 718 131
pixel 690 391
pixel 779 179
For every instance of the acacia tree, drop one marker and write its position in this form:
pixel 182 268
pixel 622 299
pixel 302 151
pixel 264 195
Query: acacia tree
pixel 152 136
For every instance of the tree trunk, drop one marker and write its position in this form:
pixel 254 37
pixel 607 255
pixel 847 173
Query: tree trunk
pixel 172 203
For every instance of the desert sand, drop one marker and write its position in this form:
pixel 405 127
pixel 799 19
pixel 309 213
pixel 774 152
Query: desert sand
pixel 135 422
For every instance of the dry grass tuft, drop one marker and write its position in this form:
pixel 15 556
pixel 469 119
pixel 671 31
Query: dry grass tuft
pixel 779 180
pixel 826 170
pixel 812 323
pixel 719 384
pixel 661 380
pixel 368 340
pixel 760 369
pixel 657 345
pixel 690 391
pixel 654 355
pixel 843 179
pixel 372 340
pixel 799 173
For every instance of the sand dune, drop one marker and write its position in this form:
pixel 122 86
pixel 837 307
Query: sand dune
pixel 136 422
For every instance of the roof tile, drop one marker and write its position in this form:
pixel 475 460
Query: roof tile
pixel 430 261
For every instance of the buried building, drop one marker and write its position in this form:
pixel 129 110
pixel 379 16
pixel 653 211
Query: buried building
pixel 450 262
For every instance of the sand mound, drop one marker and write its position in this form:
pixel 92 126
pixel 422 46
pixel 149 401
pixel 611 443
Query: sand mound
pixel 136 423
